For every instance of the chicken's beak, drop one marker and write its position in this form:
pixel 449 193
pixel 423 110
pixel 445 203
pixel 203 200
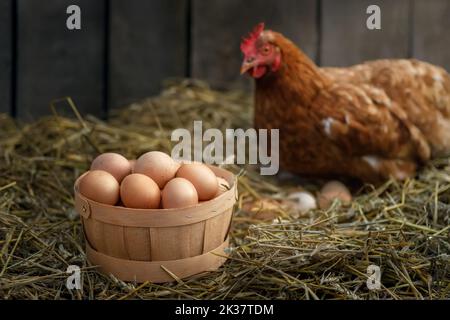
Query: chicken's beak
pixel 247 66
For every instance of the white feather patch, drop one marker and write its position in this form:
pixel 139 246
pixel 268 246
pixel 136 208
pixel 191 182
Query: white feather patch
pixel 437 77
pixel 347 119
pixel 327 123
pixel 373 161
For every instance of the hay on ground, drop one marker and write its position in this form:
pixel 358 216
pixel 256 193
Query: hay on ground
pixel 402 227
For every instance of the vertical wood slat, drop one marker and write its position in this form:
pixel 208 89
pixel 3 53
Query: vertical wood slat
pixel 137 242
pixel 431 36
pixel 174 243
pixel 6 59
pixel 215 231
pixel 115 244
pixel 218 26
pixel 54 62
pixel 148 43
pixel 107 238
pixel 94 234
pixel 227 224
pixel 346 39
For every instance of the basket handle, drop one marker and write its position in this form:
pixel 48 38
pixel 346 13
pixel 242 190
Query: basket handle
pixel 82 207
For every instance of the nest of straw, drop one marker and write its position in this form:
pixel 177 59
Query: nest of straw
pixel 276 253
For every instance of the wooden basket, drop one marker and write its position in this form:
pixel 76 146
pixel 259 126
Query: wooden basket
pixel 158 245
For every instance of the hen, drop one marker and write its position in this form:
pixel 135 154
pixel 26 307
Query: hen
pixel 371 121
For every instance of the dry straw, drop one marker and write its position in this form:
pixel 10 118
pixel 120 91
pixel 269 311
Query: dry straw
pixel 276 252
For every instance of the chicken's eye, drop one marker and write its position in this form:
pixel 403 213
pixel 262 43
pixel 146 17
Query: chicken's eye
pixel 266 50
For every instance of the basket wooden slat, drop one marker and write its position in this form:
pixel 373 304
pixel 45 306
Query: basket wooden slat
pixel 138 244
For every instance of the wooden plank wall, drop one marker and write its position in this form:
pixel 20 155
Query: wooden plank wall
pixel 218 26
pixel 346 39
pixel 431 31
pixel 6 50
pixel 148 43
pixel 54 62
pixel 126 48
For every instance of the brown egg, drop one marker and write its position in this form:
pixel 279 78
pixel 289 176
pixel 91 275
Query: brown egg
pixel 224 186
pixel 331 191
pixel 179 193
pixel 158 166
pixel 100 186
pixel 140 192
pixel 114 163
pixel 202 177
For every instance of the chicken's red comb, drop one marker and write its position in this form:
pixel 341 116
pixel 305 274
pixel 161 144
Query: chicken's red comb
pixel 247 44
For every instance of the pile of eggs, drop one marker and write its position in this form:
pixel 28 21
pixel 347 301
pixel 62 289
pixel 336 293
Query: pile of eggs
pixel 330 192
pixel 153 181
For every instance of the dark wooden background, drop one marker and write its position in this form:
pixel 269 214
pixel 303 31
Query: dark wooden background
pixel 126 48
